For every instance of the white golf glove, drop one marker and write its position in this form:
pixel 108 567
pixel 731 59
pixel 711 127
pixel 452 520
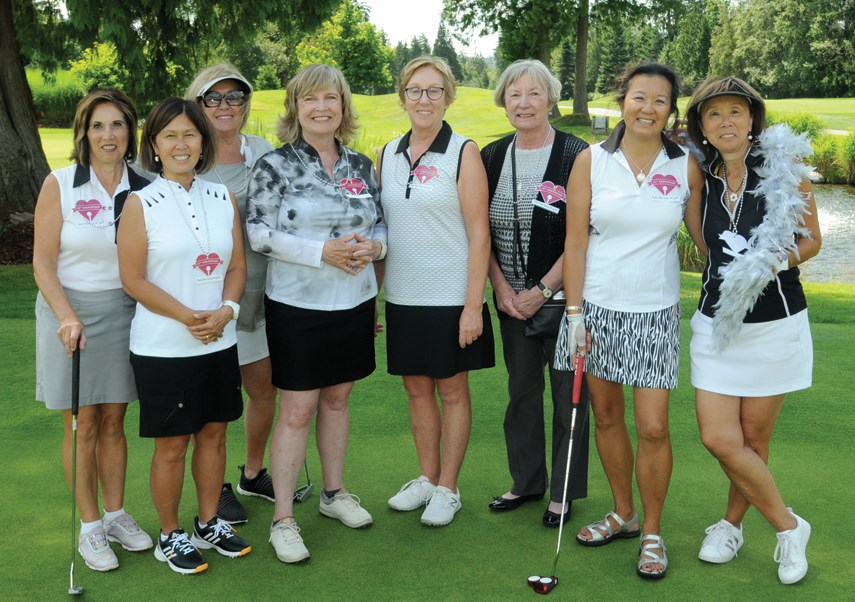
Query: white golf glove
pixel 576 332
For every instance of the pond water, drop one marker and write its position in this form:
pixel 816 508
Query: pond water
pixel 836 259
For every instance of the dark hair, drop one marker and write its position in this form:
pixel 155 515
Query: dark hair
pixel 723 86
pixel 83 116
pixel 651 69
pixel 160 116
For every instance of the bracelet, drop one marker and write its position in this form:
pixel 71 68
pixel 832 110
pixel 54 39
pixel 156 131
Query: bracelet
pixel 383 250
pixel 570 308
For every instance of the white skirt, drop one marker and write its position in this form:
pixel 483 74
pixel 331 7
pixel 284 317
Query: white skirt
pixel 766 358
pixel 252 345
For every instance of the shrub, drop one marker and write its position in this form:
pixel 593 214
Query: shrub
pixel 847 153
pixel 826 158
pixel 799 122
pixel 691 259
pixel 55 105
pixel 100 67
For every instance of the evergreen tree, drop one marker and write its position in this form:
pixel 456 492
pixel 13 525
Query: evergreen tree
pixel 442 47
pixel 567 67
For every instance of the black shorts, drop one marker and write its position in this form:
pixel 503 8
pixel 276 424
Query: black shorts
pixel 180 395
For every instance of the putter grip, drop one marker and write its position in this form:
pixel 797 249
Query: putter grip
pixel 578 375
pixel 75 381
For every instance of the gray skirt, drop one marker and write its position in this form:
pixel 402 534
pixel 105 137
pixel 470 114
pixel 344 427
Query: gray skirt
pixel 105 369
pixel 635 349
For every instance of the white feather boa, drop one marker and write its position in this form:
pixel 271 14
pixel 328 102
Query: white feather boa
pixel 744 278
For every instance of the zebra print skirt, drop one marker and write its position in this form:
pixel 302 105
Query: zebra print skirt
pixel 636 349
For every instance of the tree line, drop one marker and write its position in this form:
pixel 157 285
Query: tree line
pixel 152 48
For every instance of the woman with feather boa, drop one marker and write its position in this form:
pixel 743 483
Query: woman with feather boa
pixel 751 342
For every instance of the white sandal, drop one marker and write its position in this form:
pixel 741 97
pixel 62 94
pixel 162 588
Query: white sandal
pixel 647 556
pixel 625 530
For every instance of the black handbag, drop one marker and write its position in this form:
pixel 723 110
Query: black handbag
pixel 546 322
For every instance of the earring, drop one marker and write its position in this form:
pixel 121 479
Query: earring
pixel 705 142
pixel 157 158
pixel 750 137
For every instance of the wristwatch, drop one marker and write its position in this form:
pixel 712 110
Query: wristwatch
pixel 235 308
pixel 545 290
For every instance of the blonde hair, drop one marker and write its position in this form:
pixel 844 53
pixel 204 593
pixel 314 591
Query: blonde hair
pixel 220 71
pixel 438 63
pixel 539 72
pixel 311 79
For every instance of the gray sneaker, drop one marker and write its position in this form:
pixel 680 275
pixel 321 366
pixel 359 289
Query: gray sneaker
pixel 96 552
pixel 286 540
pixel 125 530
pixel 345 507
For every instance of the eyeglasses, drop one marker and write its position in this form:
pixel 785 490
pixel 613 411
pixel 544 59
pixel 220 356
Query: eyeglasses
pixel 233 98
pixel 432 93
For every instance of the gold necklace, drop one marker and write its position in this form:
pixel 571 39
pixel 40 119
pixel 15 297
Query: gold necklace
pixel 640 176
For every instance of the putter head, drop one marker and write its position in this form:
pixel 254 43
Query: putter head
pixel 301 494
pixel 542 585
pixel 75 590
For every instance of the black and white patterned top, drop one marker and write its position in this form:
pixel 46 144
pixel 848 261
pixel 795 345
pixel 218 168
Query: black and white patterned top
pixel 531 163
pixel 292 212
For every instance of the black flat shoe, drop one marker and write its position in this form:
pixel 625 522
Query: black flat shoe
pixel 552 520
pixel 502 504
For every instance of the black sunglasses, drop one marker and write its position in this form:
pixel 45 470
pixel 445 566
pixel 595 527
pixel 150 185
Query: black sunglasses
pixel 234 98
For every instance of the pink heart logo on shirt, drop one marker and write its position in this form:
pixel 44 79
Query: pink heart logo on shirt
pixel 353 185
pixel 425 173
pixel 208 263
pixel 88 209
pixel 552 193
pixel 664 184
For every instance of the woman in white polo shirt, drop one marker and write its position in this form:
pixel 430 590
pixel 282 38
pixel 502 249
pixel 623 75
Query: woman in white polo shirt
pixel 626 199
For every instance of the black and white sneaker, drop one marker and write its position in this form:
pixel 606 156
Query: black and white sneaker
pixel 260 486
pixel 229 508
pixel 181 555
pixel 219 535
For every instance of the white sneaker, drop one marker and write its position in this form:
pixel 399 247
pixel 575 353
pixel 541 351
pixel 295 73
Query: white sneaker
pixel 96 552
pixel 790 551
pixel 126 531
pixel 345 507
pixel 722 542
pixel 442 506
pixel 412 494
pixel 286 540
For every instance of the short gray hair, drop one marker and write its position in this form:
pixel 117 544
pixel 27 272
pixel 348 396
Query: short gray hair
pixel 538 72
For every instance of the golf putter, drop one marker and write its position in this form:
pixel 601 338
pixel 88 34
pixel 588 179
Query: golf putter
pixel 544 585
pixel 301 494
pixel 74 590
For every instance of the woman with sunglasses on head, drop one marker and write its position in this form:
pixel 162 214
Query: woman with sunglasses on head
pixel 81 304
pixel 181 257
pixel 626 198
pixel 313 211
pixel 751 341
pixel 225 96
pixel 434 195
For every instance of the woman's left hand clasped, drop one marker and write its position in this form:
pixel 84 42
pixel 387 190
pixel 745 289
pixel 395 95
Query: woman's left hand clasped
pixel 210 324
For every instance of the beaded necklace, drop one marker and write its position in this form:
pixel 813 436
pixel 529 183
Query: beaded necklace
pixel 329 182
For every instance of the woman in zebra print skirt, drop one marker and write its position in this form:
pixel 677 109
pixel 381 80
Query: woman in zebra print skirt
pixel 626 199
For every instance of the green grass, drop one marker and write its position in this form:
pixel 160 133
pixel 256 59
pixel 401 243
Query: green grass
pixel 482 555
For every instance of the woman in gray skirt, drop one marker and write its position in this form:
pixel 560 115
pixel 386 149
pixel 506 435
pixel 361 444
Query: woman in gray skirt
pixel 81 303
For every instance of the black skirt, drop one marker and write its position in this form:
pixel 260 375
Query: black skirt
pixel 310 348
pixel 423 341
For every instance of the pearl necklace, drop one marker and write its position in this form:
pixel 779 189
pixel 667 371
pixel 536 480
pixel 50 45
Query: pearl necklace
pixel 539 149
pixel 329 182
pixel 734 204
pixel 640 176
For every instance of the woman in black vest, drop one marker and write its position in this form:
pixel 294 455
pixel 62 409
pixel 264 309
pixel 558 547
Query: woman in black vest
pixel 527 173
